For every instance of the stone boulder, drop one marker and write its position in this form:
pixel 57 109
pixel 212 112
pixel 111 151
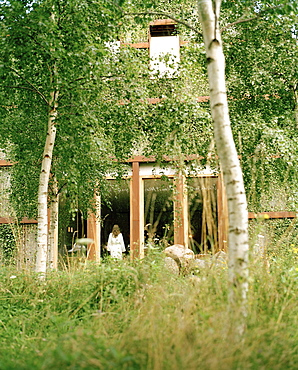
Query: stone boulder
pixel 182 255
pixel 172 265
pixel 179 251
pixel 183 260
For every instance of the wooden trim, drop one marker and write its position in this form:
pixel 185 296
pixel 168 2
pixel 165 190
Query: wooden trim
pixel 11 220
pixel 137 45
pixel 93 232
pixel 272 215
pixel 160 22
pixel 182 43
pixel 222 215
pixel 180 211
pixel 165 158
pixel 145 44
pixel 136 216
pixel 4 163
pixel 141 158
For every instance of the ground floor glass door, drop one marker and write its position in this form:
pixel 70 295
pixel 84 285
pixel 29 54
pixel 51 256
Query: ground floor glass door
pixel 158 212
pixel 115 210
pixel 202 214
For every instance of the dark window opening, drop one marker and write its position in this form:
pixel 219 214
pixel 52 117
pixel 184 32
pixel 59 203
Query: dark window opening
pixel 158 212
pixel 163 30
pixel 115 210
pixel 202 211
pixel 76 229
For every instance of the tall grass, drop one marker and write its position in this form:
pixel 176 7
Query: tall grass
pixel 122 315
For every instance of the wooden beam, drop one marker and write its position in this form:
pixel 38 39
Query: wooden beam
pixel 272 215
pixel 137 45
pixel 11 220
pixel 145 44
pixel 180 211
pixel 136 213
pixel 4 163
pixel 93 232
pixel 159 22
pixel 222 215
pixel 165 158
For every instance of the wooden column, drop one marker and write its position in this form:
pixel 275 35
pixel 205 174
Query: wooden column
pixel 136 213
pixel 222 214
pixel 180 211
pixel 93 232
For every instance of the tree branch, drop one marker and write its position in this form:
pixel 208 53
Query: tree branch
pixel 19 87
pixel 258 16
pixel 240 21
pixel 61 188
pixel 38 43
pixel 29 83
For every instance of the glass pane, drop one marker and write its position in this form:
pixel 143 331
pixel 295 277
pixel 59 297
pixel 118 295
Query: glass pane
pixel 158 211
pixel 71 227
pixel 115 210
pixel 202 213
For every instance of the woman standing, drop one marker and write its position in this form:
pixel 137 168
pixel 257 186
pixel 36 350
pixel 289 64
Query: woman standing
pixel 116 243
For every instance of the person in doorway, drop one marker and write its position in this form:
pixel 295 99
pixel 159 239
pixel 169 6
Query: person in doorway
pixel 116 243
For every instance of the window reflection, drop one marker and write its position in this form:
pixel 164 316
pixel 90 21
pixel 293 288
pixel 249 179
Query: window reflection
pixel 202 213
pixel 158 212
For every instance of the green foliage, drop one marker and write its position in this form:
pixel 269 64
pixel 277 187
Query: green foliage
pixel 167 127
pixel 261 57
pixel 41 52
pixel 103 110
pixel 93 127
pixel 268 150
pixel 7 244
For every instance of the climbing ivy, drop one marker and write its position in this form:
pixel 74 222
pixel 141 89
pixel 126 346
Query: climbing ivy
pixel 7 244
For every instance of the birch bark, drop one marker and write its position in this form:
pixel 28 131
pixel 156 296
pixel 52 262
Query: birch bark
pixel 232 174
pixel 42 218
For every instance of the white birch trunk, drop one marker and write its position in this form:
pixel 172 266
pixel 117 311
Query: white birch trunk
pixel 42 218
pixel 53 229
pixel 232 175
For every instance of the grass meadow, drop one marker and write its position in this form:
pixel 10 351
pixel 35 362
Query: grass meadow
pixel 139 315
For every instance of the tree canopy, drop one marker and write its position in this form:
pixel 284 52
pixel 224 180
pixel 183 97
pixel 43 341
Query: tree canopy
pixel 260 45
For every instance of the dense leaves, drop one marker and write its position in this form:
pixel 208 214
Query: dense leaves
pixel 103 110
pixel 261 56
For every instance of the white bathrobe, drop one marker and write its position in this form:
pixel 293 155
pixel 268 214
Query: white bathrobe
pixel 116 246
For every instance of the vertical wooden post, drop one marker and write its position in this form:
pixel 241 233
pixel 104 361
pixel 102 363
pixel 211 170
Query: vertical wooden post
pixel 93 232
pixel 222 215
pixel 136 213
pixel 180 211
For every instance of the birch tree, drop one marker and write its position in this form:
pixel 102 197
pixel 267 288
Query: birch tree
pixel 42 214
pixel 52 56
pixel 209 12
